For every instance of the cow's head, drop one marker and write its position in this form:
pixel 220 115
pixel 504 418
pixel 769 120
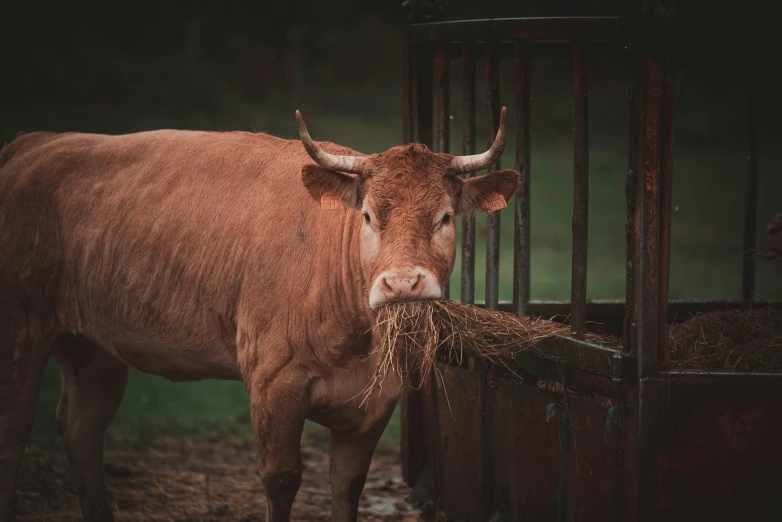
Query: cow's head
pixel 407 199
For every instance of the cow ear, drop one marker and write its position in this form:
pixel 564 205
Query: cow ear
pixel 333 190
pixel 490 192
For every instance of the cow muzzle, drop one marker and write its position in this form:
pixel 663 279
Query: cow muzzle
pixel 404 285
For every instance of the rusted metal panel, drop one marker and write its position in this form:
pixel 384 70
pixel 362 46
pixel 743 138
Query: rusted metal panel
pixel 580 188
pixel 413 441
pixel 718 457
pixel 666 190
pixel 521 254
pixel 602 28
pixel 592 465
pixel 468 148
pixel 493 219
pixel 750 196
pixel 458 441
pixel 549 370
pixel 524 452
pixel 443 125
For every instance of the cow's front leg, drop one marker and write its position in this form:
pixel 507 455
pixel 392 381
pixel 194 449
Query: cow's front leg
pixel 350 454
pixel 278 409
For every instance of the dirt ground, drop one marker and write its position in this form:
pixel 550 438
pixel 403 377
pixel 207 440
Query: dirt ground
pixel 188 480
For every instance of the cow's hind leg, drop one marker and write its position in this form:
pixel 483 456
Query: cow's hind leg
pixel 93 382
pixel 23 355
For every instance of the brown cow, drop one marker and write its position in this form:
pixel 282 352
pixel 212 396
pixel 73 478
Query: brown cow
pixel 197 255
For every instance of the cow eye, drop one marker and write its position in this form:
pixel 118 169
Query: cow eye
pixel 367 218
pixel 446 219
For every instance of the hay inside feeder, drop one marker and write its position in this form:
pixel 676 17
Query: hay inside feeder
pixel 742 340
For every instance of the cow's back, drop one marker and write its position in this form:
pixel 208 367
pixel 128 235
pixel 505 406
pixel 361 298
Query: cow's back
pixel 152 239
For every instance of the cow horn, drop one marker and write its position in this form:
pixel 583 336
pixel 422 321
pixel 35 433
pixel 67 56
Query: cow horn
pixel 463 164
pixel 352 164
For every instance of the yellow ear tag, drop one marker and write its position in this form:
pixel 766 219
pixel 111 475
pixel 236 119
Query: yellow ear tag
pixel 331 201
pixel 495 202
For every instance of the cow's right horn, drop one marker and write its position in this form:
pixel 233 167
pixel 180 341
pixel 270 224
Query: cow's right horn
pixel 463 164
pixel 352 164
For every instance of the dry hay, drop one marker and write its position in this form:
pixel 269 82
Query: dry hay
pixel 742 340
pixel 415 333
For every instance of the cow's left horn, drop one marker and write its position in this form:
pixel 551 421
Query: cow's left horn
pixel 352 164
pixel 463 164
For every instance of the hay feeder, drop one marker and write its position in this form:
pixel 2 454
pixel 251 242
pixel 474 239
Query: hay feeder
pixel 640 409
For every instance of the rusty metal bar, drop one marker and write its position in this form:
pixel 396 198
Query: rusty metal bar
pixel 521 254
pixel 611 311
pixel 407 86
pixel 539 49
pixel 443 125
pixel 647 298
pixel 598 28
pixel 666 189
pixel 632 195
pixel 423 95
pixel 468 147
pixel 492 256
pixel 443 100
pixel 580 188
pixel 723 375
pixel 750 197
pixel 493 219
pixel 414 437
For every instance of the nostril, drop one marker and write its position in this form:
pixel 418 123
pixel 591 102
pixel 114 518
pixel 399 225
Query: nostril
pixel 387 288
pixel 417 284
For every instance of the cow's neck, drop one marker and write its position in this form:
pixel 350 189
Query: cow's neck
pixel 350 291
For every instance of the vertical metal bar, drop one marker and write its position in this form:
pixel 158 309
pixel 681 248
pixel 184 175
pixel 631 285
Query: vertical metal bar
pixel 443 124
pixel 631 195
pixel 649 240
pixel 580 188
pixel 423 95
pixel 414 405
pixel 650 399
pixel 493 220
pixel 521 254
pixel 666 189
pixel 407 86
pixel 492 72
pixel 409 421
pixel 443 99
pixel 750 197
pixel 468 147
